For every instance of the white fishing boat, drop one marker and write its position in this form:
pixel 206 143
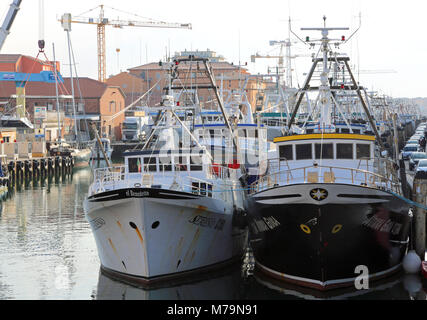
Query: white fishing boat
pixel 167 212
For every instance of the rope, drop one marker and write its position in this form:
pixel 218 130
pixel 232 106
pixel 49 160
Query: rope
pixel 413 203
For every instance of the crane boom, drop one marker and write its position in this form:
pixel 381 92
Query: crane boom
pixel 8 21
pixel 101 22
pixel 131 23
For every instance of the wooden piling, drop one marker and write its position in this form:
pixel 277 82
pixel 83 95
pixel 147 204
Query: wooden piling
pixel 23 171
pixel 420 191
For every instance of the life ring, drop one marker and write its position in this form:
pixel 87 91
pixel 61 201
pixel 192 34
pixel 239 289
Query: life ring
pixel 305 228
pixel 336 228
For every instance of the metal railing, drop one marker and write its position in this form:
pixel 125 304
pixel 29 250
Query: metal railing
pixel 119 177
pixel 388 180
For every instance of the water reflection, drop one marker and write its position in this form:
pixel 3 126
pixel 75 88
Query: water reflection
pixel 400 287
pixel 212 286
pixel 243 283
pixel 48 252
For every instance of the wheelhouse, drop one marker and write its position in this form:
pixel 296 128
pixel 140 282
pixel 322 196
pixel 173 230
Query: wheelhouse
pixel 328 148
pixel 165 161
pixel 328 158
pixel 252 141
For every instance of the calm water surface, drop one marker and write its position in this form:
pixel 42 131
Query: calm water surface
pixel 47 251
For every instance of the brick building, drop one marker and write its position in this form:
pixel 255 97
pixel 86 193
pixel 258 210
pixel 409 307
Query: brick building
pixel 25 64
pixel 228 77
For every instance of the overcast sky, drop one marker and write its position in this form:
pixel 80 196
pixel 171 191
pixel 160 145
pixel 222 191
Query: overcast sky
pixel 391 44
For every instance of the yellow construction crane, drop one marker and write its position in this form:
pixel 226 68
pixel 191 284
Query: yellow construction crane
pixel 101 22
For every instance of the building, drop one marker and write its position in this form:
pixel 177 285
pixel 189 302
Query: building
pixel 94 100
pixel 229 78
pixel 131 84
pixel 25 64
pixel 208 54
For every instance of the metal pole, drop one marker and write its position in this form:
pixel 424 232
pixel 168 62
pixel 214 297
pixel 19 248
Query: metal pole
pixel 57 99
pixel 395 138
pixel 371 120
pixel 224 114
pixel 302 92
pixel 420 188
pixel 101 146
pixel 72 86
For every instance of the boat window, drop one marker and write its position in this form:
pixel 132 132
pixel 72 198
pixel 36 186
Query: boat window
pixel 286 152
pixel 303 151
pixel 344 151
pixel 195 163
pixel 204 189
pixel 242 133
pixel 251 133
pixel 165 164
pixel 150 163
pixel 324 150
pixel 180 163
pixel 345 130
pixel 309 131
pixel 363 151
pixel 134 165
pixel 356 130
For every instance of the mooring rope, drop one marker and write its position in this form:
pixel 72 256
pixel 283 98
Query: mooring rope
pixel 413 203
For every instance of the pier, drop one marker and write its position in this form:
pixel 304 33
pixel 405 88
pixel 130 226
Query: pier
pixel 19 171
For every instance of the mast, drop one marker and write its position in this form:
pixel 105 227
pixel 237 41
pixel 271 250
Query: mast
pixel 57 98
pixel 325 120
pixel 66 24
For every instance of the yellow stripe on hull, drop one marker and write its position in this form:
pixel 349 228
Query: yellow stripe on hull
pixel 313 136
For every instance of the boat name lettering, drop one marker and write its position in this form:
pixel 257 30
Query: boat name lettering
pixel 131 193
pixel 208 222
pixel 266 223
pixel 97 223
pixel 382 225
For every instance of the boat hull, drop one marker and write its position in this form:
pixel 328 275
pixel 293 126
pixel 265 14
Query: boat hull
pixel 148 235
pixel 318 238
pixel 81 158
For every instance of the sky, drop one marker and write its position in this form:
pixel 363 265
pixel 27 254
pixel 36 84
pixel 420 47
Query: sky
pixel 390 47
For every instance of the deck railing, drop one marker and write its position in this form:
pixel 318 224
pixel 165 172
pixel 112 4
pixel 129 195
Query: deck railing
pixel 377 175
pixel 118 177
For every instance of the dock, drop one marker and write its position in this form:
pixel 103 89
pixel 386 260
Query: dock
pixel 19 171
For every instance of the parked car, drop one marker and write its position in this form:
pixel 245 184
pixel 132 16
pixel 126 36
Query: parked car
pixel 416 136
pixel 413 141
pixel 415 158
pixel 408 149
pixel 421 169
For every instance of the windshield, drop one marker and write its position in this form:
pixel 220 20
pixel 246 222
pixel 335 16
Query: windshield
pixel 419 155
pixel 422 163
pixel 410 148
pixel 412 142
pixel 129 126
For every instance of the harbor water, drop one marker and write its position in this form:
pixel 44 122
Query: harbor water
pixel 48 252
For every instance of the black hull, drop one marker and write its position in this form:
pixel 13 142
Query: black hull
pixel 320 245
